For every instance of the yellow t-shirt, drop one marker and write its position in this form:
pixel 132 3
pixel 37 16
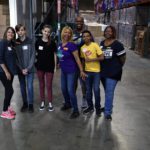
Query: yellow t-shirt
pixel 91 51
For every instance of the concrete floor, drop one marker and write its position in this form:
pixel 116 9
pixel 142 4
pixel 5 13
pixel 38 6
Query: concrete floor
pixel 42 130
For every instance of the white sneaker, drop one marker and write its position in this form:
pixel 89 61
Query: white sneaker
pixel 50 107
pixel 42 106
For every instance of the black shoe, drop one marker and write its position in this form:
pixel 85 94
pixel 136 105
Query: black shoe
pixel 31 108
pixel 74 115
pixel 88 110
pixel 65 107
pixel 24 108
pixel 98 113
pixel 102 109
pixel 108 117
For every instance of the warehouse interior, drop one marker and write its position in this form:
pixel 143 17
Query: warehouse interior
pixel 43 130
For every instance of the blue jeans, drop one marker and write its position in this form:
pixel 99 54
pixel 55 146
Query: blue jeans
pixel 82 84
pixel 109 87
pixel 26 79
pixel 92 84
pixel 68 89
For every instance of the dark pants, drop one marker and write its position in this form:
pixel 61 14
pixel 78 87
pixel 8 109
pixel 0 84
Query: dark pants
pixel 82 84
pixel 8 90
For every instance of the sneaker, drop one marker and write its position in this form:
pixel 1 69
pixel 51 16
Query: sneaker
pixel 31 108
pixel 7 115
pixel 88 110
pixel 65 107
pixel 98 113
pixel 42 106
pixel 74 115
pixel 50 107
pixel 84 103
pixel 24 108
pixel 10 109
pixel 108 117
pixel 102 109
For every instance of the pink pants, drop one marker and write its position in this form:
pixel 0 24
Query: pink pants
pixel 48 78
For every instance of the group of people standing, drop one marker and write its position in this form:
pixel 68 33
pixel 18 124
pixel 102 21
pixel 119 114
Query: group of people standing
pixel 82 58
pixel 79 57
pixel 20 56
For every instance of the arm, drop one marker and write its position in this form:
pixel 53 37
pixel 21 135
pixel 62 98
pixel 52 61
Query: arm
pixel 122 59
pixel 8 75
pixel 76 56
pixel 32 59
pixel 55 59
pixel 99 58
pixel 2 62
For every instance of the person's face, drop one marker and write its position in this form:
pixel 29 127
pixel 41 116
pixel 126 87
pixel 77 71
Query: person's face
pixel 87 37
pixel 79 23
pixel 108 33
pixel 46 32
pixel 10 34
pixel 21 32
pixel 67 35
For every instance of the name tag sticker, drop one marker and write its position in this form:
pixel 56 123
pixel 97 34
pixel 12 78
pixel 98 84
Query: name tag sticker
pixel 84 50
pixel 9 48
pixel 40 47
pixel 108 53
pixel 25 47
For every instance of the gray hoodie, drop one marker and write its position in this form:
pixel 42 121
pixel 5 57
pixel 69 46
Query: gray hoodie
pixel 25 52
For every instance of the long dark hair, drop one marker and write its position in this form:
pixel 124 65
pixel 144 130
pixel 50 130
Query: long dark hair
pixel 5 33
pixel 113 31
pixel 50 28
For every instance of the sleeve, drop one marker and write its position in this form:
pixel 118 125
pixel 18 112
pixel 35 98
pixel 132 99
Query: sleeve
pixel 98 49
pixel 54 46
pixel 101 43
pixel 32 60
pixel 2 48
pixel 73 47
pixel 17 59
pixel 36 45
pixel 120 51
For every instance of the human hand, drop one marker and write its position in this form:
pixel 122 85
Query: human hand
pixel 8 75
pixel 25 71
pixel 87 59
pixel 83 75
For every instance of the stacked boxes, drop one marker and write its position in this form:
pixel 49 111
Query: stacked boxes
pixel 4 15
pixel 95 29
pixel 139 49
pixel 131 15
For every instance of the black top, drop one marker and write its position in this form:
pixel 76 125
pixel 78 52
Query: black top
pixel 8 56
pixel 111 65
pixel 45 55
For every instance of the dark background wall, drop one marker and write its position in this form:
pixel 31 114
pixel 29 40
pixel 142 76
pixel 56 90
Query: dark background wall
pixel 86 4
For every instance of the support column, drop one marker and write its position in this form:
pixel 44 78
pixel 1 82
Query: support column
pixel 13 12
